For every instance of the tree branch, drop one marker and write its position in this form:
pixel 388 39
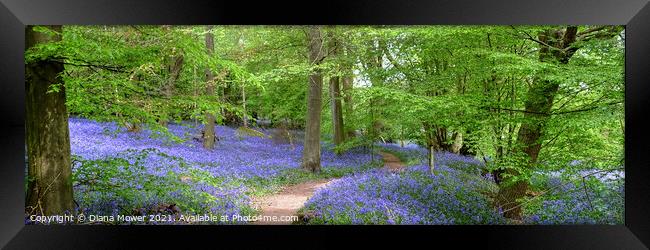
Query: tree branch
pixel 91 65
pixel 551 113
pixel 529 37
pixel 589 31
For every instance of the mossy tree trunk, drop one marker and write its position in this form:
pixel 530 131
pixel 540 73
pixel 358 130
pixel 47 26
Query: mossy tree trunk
pixel 556 46
pixel 46 124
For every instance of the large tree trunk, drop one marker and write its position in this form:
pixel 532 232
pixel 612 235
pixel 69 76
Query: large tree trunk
pixel 538 105
pixel 311 152
pixel 48 141
pixel 539 101
pixel 209 135
pixel 335 97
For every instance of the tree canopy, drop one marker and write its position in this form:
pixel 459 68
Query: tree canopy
pixel 520 98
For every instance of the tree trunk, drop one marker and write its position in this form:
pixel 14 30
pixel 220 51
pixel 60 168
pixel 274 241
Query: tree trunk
pixel 347 85
pixel 209 135
pixel 538 105
pixel 335 95
pixel 539 101
pixel 243 97
pixel 337 111
pixel 347 98
pixel 430 139
pixel 432 158
pixel 466 148
pixel 556 46
pixel 440 136
pixel 174 70
pixel 240 43
pixel 311 152
pixel 49 187
pixel 458 143
pixel 175 67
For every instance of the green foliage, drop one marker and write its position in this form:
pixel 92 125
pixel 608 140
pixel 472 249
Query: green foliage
pixel 409 159
pixel 113 178
pixel 577 198
pixel 419 83
pixel 355 142
pixel 244 131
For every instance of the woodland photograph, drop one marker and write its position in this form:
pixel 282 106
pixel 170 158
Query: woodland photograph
pixel 313 125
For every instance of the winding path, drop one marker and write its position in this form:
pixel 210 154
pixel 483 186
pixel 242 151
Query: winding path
pixel 287 202
pixel 391 162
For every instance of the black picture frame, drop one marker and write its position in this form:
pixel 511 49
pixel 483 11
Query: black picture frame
pixel 635 14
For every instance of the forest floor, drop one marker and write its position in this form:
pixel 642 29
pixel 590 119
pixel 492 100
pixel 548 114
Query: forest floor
pixel 288 201
pixel 391 162
pixel 116 171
